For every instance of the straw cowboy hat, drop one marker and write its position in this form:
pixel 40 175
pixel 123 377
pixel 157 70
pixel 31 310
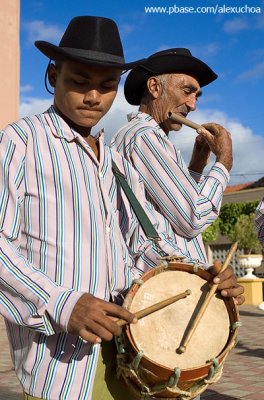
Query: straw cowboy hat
pixel 178 60
pixel 90 40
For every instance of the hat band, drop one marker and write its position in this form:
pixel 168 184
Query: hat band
pixel 92 54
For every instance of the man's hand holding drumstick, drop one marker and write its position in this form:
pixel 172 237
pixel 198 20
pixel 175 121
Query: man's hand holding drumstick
pixel 94 319
pixel 227 282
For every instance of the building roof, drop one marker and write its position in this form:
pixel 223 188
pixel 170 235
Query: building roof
pixel 245 186
pixel 237 188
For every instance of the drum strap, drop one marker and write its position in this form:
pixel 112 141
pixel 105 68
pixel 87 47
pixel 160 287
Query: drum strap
pixel 141 215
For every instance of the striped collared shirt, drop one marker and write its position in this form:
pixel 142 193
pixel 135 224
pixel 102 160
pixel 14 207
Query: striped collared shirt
pixel 189 206
pixel 65 229
pixel 260 221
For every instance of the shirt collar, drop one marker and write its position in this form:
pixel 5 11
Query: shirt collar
pixel 62 130
pixel 144 117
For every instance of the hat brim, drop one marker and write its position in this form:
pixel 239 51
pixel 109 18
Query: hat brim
pixel 169 63
pixel 57 53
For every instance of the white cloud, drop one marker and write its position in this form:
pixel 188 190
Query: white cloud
pixel 26 89
pixel 31 106
pixel 235 25
pixel 39 30
pixel 209 99
pixel 256 72
pixel 239 24
pixel 259 22
pixel 205 50
pixel 126 29
pixel 247 145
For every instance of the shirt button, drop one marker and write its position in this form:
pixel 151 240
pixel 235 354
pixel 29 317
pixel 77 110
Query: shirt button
pixel 100 174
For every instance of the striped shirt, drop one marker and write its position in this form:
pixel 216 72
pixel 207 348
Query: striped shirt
pixel 189 206
pixel 260 221
pixel 65 229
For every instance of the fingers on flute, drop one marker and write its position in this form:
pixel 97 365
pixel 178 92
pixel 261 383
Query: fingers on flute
pixel 208 137
pixel 213 128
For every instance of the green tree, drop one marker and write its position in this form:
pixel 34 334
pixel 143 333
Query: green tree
pixel 211 233
pixel 245 233
pixel 229 215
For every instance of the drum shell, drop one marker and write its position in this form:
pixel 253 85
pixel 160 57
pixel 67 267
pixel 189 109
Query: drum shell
pixel 154 373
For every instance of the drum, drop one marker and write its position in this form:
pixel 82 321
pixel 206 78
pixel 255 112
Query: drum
pixel 148 356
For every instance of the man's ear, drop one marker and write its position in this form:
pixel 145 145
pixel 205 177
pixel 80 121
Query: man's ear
pixel 154 87
pixel 52 75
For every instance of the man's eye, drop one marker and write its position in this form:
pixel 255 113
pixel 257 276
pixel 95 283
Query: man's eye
pixel 109 85
pixel 79 82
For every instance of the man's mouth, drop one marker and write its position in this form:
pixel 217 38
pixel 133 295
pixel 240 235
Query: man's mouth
pixel 183 114
pixel 89 109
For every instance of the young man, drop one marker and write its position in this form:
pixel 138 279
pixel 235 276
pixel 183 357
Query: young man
pixel 69 238
pixel 171 81
pixel 70 242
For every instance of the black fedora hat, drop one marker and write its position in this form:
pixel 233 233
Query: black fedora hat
pixel 178 60
pixel 90 40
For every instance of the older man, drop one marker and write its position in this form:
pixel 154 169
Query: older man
pixel 171 81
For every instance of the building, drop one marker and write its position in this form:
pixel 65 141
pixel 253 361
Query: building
pixel 10 61
pixel 251 191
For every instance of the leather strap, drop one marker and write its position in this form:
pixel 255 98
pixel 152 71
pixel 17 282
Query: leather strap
pixel 142 217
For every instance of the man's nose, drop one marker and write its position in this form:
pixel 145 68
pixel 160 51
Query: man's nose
pixel 92 97
pixel 191 103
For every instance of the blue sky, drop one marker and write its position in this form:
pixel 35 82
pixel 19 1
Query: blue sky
pixel 231 42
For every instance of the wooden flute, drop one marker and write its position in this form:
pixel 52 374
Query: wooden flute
pixel 179 118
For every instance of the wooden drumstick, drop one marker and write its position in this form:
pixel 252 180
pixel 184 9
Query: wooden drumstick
pixel 156 307
pixel 209 296
pixel 179 118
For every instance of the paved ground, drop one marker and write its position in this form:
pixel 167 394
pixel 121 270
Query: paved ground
pixel 243 376
pixel 9 387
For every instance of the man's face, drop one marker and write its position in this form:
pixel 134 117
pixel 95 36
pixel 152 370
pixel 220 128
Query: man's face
pixel 83 93
pixel 179 96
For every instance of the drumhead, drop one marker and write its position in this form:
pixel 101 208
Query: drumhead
pixel 160 334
